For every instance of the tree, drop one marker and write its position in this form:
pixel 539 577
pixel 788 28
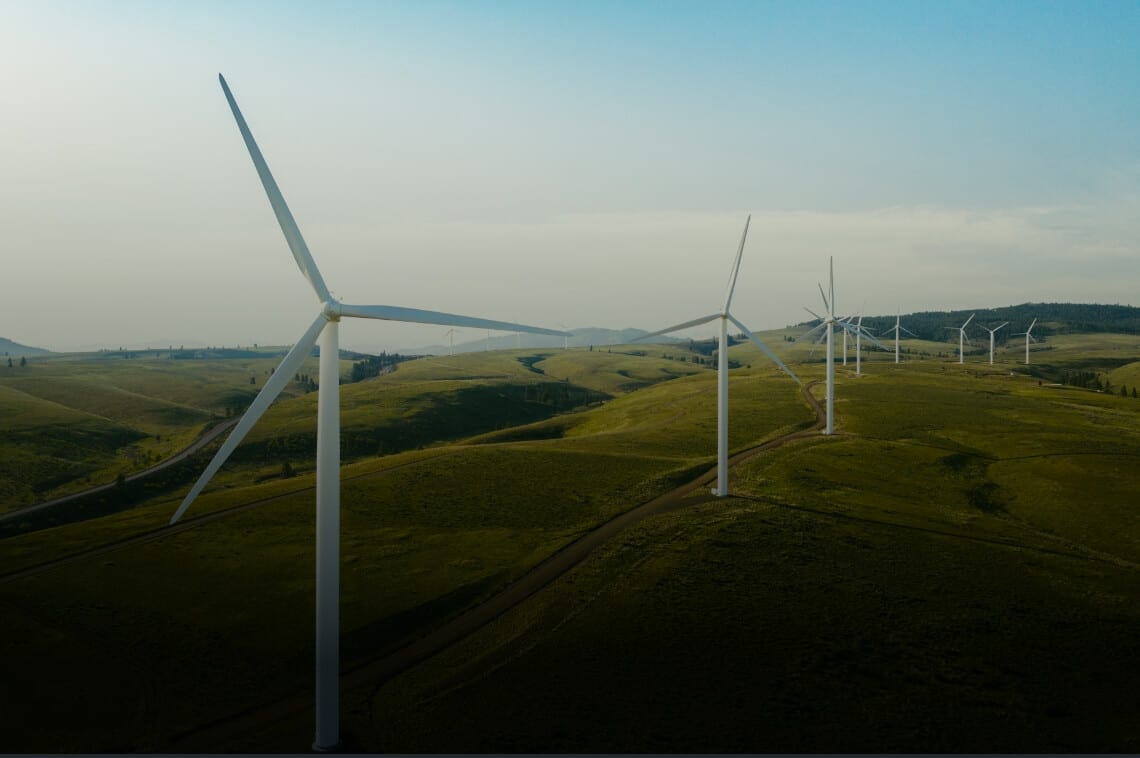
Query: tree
pixel 287 471
pixel 23 361
pixel 9 362
pixel 253 380
pixel 1123 391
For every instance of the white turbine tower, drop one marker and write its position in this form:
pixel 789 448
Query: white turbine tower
pixel 325 328
pixel 962 337
pixel 1028 337
pixel 722 365
pixel 450 334
pixel 992 333
pixel 844 323
pixel 898 327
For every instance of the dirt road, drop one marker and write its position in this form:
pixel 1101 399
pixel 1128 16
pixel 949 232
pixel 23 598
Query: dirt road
pixel 198 444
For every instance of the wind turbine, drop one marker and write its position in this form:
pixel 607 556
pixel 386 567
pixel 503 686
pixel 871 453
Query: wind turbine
pixel 899 328
pixel 1028 337
pixel 566 339
pixel 962 337
pixel 992 332
pixel 827 325
pixel 324 327
pixel 450 334
pixel 722 365
pixel 859 332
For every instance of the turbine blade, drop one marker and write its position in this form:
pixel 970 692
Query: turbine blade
pixel 999 327
pixel 1027 331
pixel 971 318
pixel 281 377
pixel 678 327
pixel 823 297
pixel 908 331
pixel 280 209
pixel 763 348
pixel 736 265
pixel 417 316
pixel 809 310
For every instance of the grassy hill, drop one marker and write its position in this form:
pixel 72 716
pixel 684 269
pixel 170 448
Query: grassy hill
pixel 15 349
pixel 963 555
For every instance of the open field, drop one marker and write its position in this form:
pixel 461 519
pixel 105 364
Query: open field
pixel 899 588
pixel 963 555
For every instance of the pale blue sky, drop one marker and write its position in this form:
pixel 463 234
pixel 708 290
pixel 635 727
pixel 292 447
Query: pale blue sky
pixel 580 163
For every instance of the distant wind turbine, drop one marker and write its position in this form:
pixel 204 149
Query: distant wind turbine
pixel 828 324
pixel 962 337
pixel 899 328
pixel 722 364
pixel 992 332
pixel 324 327
pixel 450 334
pixel 860 332
pixel 1028 337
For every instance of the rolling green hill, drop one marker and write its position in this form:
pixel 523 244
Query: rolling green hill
pixel 963 555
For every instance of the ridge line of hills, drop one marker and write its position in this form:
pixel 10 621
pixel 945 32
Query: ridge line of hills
pixel 1052 318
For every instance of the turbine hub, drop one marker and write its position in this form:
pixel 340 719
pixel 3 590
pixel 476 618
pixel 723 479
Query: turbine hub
pixel 331 309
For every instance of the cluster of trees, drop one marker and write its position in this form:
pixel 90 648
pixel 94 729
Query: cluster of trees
pixel 305 382
pixel 23 361
pixel 1093 380
pixel 1052 318
pixel 374 365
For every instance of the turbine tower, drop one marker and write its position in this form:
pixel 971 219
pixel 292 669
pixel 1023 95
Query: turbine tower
pixel 325 328
pixel 1028 337
pixel 722 365
pixel 992 332
pixel 962 337
pixel 450 334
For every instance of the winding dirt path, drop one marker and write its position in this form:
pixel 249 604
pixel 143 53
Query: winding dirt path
pixel 207 437
pixel 267 719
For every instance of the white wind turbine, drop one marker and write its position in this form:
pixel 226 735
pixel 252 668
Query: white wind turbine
pixel 992 333
pixel 722 365
pixel 828 326
pixel 898 327
pixel 324 326
pixel 962 337
pixel 860 332
pixel 450 334
pixel 1028 337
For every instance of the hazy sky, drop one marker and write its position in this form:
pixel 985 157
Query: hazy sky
pixel 578 163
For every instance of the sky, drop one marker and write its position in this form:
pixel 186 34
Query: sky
pixel 558 163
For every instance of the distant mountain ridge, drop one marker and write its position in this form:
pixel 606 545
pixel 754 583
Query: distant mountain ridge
pixel 10 348
pixel 1052 318
pixel 585 337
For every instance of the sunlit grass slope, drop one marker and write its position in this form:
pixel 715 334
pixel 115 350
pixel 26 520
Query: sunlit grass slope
pixel 957 571
pixel 156 404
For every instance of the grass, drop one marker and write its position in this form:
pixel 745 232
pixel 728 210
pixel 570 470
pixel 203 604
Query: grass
pixel 962 555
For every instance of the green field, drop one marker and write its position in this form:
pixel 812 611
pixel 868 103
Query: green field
pixel 956 570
